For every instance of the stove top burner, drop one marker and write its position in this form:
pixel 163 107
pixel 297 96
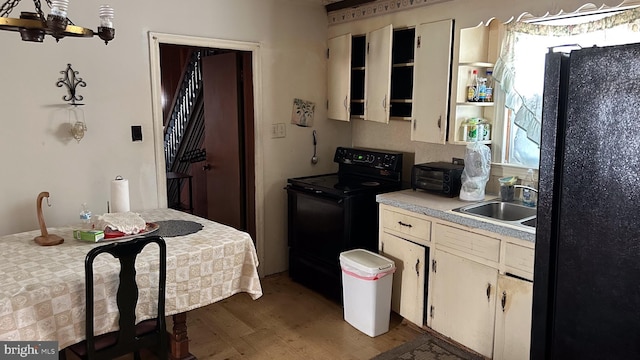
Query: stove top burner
pixel 333 183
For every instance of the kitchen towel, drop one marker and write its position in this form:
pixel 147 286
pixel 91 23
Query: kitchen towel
pixel 119 195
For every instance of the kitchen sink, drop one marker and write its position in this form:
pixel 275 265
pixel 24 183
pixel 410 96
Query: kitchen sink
pixel 507 212
pixel 530 222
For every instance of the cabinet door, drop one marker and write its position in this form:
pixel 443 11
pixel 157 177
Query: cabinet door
pixel 513 318
pixel 432 78
pixel 339 77
pixel 378 75
pixel 407 296
pixel 464 301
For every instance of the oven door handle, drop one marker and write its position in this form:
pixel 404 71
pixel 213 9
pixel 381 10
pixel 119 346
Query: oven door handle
pixel 309 191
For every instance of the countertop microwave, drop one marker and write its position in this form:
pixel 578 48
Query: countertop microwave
pixel 437 177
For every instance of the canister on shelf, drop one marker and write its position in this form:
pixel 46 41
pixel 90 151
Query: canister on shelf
pixel 473 130
pixel 486 132
pixel 464 128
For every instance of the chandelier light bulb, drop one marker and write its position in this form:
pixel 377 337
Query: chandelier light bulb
pixel 59 7
pixel 106 16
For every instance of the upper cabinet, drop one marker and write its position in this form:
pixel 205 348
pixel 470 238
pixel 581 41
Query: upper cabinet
pixel 478 51
pixel 432 74
pixel 339 78
pixel 377 93
pixel 401 74
pixel 359 72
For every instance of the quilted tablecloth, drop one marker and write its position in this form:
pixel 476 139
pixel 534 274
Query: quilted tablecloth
pixel 42 287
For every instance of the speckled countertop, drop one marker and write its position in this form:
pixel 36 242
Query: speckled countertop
pixel 441 207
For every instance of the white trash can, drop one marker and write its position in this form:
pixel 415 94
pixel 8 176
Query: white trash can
pixel 366 290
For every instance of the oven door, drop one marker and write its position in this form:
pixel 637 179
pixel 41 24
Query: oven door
pixel 316 223
pixel 317 234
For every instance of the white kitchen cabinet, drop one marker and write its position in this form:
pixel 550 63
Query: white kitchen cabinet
pixel 378 75
pixel 431 82
pixel 339 77
pixel 463 300
pixel 408 292
pixel 513 319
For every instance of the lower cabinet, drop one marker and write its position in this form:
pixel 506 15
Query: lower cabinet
pixel 463 301
pixel 408 294
pixel 476 289
pixel 513 318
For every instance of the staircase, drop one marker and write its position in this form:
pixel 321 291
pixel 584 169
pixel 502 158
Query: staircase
pixel 184 132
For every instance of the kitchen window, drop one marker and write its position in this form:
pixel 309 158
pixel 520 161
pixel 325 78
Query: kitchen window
pixel 520 70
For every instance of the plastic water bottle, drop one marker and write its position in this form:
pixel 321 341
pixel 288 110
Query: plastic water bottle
pixel 85 216
pixel 482 89
pixel 529 197
pixel 489 87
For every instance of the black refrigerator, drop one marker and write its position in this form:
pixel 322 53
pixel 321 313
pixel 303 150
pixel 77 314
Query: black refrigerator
pixel 586 292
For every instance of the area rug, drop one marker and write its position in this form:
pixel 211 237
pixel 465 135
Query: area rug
pixel 426 347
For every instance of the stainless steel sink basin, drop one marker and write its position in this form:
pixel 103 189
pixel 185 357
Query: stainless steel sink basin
pixel 507 212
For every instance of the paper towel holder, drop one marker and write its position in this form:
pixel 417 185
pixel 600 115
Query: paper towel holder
pixel 45 239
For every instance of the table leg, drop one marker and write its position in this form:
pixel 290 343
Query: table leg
pixel 178 340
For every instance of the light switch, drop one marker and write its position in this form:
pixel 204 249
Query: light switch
pixel 136 133
pixel 278 130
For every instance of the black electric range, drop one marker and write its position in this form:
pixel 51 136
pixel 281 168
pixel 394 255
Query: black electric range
pixel 332 213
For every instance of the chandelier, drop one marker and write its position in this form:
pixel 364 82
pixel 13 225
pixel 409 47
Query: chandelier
pixel 33 26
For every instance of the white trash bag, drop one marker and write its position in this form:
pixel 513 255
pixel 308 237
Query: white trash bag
pixel 477 167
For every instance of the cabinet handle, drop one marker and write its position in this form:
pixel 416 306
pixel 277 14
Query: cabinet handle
pixel 414 123
pixel 382 247
pixel 418 267
pixel 504 300
pixel 440 122
pixel 489 292
pixel 384 103
pixel 403 224
pixel 345 103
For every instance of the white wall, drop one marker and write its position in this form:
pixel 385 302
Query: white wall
pixel 37 155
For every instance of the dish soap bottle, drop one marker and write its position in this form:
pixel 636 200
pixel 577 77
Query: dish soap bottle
pixel 529 197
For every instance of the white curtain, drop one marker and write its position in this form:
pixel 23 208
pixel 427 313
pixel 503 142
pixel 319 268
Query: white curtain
pixel 519 70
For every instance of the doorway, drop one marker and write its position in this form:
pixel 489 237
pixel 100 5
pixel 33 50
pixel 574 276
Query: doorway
pixel 244 59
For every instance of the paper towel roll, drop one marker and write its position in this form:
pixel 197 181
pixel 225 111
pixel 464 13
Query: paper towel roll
pixel 119 195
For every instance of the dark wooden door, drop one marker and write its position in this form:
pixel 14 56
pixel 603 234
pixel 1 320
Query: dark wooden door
pixel 224 140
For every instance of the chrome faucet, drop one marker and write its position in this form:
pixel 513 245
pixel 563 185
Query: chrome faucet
pixel 525 187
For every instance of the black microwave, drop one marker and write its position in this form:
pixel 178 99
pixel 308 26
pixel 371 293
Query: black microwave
pixel 437 177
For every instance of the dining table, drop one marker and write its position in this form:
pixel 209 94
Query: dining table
pixel 42 289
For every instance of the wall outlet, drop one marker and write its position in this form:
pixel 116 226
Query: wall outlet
pixel 278 130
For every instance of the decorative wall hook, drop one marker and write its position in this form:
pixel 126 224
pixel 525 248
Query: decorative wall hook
pixel 71 82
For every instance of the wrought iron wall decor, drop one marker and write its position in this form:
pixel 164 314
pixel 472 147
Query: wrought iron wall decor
pixel 33 26
pixel 71 81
